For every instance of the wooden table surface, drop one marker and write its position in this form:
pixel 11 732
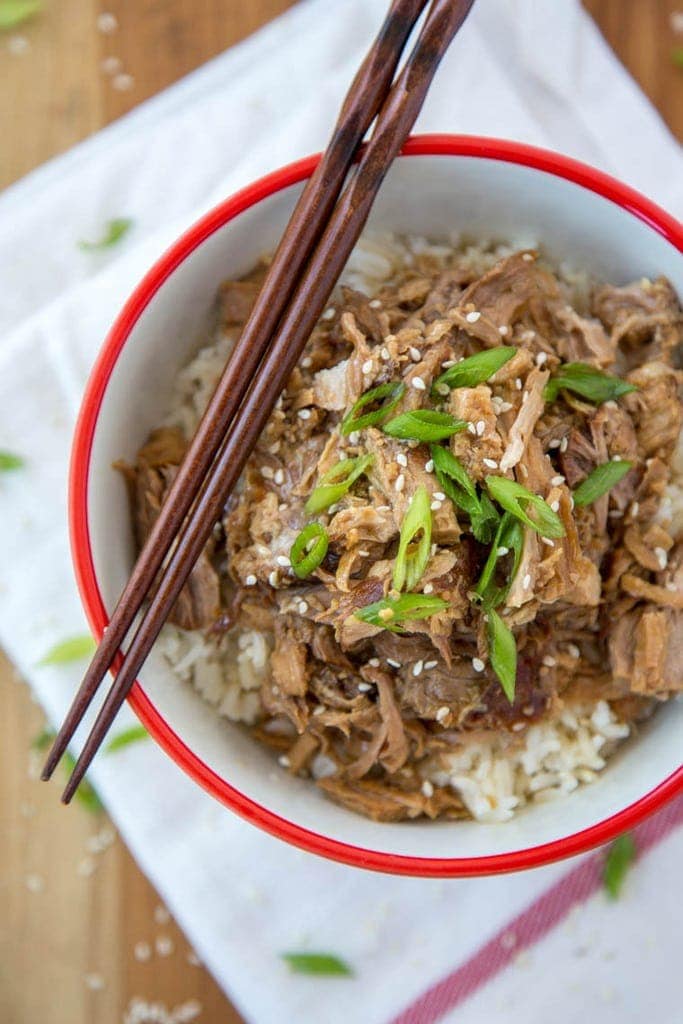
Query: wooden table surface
pixel 70 918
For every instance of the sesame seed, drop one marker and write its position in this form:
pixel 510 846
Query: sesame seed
pixel 329 313
pixel 503 329
pixel 471 429
pixel 385 353
pixel 518 383
pixel 574 650
pixel 18 45
pixel 282 507
pixel 374 662
pixel 86 867
pixel 480 427
pixel 443 389
pixel 439 495
pixel 502 551
pixel 435 506
pixel 417 668
pixel 616 458
pixel 123 82
pixel 363 553
pixel 635 507
pixel 555 506
pixel 418 384
pixel 430 665
pixel 385 614
pixel 110 65
pixel 442 714
pixel 95 982
pixel 393 663
pixel 400 483
pixel 34 883
pixel 549 661
pixel 447 363
pixel 375 303
pixel 428 588
pixel 267 472
pixel 364 687
pixel 554 443
pixel 283 561
pixel 302 607
pixel 304 414
pixel 564 444
pixel 283 761
pixel 526 582
pixel 546 540
pixel 306 362
pixel 429 466
pixel 662 557
pixel 478 665
pixel 273 578
pixel 142 951
pixel 557 480
pixel 491 463
pixel 164 945
pixel 401 459
pixel 541 358
pixel 367 366
pixel 279 476
pixel 518 726
pixel 505 406
pixel 107 23
pixel 319 710
pixel 354 437
pixel 427 789
pixel 527 257
pixel 472 317
pixel 414 354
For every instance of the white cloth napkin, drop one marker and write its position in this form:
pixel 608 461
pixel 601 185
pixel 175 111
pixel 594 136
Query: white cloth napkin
pixel 526 69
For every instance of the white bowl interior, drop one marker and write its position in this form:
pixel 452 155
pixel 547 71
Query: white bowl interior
pixel 434 196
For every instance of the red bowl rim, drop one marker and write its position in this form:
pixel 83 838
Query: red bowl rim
pixel 423 145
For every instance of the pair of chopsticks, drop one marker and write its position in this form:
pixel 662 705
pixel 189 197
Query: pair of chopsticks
pixel 318 240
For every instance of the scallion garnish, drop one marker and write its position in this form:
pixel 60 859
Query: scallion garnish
pixel 456 483
pixel 620 856
pixel 390 612
pixel 9 461
pixel 424 425
pixel 509 538
pixel 447 466
pixel 601 480
pixel 389 395
pixel 133 734
pixel 520 502
pixel 415 542
pixel 336 482
pixel 485 519
pixel 502 653
pixel 113 232
pixel 308 550
pixel 475 369
pixel 586 381
pixel 73 649
pixel 317 963
pixel 85 793
pixel 14 12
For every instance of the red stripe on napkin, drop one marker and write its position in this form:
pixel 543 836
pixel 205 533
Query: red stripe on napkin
pixel 531 925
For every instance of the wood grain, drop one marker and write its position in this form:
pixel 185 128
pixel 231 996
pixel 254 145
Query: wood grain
pixel 81 929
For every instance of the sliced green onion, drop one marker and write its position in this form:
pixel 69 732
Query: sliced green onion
pixel 586 381
pixel 415 542
pixel 510 535
pixel 424 425
pixel 73 649
pixel 601 480
pixel 124 739
pixel 502 653
pixel 620 856
pixel 485 520
pixel 317 963
pixel 14 12
pixel 475 369
pixel 392 391
pixel 519 501
pixel 336 482
pixel 677 56
pixel 9 461
pixel 446 465
pixel 113 232
pixel 85 794
pixel 308 550
pixel 389 612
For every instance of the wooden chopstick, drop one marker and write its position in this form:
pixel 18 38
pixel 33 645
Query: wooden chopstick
pixel 363 100
pixel 394 122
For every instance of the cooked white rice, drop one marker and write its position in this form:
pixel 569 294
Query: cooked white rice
pixel 494 775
